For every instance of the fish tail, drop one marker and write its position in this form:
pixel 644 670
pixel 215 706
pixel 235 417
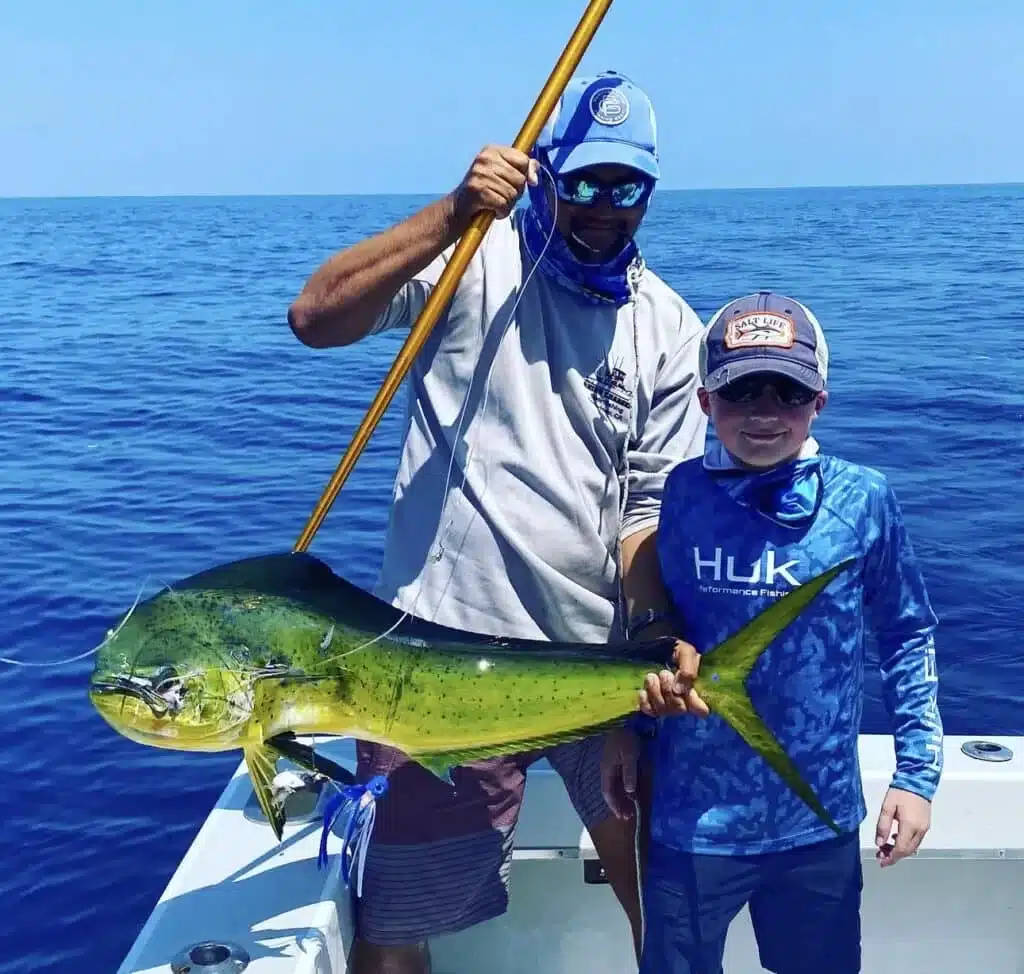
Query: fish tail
pixel 724 671
pixel 735 658
pixel 733 704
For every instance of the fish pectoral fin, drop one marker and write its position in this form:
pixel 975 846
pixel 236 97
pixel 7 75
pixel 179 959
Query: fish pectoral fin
pixel 440 763
pixel 260 760
pixel 732 703
pixel 735 657
pixel 303 755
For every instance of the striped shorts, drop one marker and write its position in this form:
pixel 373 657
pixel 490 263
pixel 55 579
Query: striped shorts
pixel 440 855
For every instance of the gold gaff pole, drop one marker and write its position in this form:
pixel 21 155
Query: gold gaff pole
pixel 461 256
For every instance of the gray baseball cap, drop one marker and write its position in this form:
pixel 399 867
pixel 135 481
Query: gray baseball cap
pixel 763 332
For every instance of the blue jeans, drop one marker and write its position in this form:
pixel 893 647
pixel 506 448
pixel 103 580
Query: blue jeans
pixel 804 906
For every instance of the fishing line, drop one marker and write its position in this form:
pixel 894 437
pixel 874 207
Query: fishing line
pixel 442 528
pixel 639 877
pixel 56 662
pixel 631 419
pixel 437 546
pixel 92 652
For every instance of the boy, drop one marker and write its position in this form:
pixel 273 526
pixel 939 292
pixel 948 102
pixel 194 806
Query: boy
pixel 760 513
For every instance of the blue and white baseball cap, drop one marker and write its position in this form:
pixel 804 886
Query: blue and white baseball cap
pixel 602 119
pixel 763 332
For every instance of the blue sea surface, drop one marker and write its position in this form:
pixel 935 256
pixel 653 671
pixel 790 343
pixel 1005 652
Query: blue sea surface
pixel 160 418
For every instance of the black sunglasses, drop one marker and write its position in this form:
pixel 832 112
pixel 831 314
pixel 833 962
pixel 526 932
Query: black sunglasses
pixel 584 189
pixel 750 389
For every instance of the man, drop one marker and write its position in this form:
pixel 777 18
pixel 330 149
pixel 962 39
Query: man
pixel 545 410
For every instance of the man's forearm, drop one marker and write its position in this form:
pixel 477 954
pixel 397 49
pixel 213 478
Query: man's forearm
pixel 348 292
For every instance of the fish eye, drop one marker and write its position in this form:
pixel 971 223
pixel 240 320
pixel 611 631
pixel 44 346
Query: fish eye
pixel 168 692
pixel 164 677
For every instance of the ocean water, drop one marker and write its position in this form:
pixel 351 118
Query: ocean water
pixel 159 418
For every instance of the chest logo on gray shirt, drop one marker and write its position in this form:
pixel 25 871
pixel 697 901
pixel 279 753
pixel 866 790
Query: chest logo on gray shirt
pixel 608 390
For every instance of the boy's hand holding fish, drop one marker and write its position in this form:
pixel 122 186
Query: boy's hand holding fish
pixel 668 694
pixel 664 694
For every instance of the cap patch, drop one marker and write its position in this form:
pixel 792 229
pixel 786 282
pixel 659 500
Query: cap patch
pixel 760 329
pixel 609 106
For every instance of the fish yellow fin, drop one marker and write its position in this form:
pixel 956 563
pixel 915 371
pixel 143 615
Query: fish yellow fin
pixel 260 760
pixel 721 682
pixel 440 763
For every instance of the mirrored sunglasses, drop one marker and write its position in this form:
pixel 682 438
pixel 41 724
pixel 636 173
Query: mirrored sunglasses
pixel 583 189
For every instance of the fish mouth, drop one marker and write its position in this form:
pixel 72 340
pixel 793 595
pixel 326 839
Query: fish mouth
pixel 151 712
pixel 134 687
pixel 132 711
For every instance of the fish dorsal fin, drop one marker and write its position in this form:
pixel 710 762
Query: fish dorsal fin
pixel 302 577
pixel 305 578
pixel 285 574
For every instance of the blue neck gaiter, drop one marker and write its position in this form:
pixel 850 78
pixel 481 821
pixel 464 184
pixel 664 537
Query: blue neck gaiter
pixel 613 282
pixel 788 494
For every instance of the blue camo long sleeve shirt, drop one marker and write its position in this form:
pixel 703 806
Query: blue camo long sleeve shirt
pixel 724 561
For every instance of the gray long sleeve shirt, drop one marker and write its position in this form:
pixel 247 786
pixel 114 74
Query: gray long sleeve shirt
pixel 574 415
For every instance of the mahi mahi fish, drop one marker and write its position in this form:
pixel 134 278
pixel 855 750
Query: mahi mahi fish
pixel 252 654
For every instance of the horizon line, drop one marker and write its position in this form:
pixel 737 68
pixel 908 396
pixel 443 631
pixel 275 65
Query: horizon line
pixel 438 194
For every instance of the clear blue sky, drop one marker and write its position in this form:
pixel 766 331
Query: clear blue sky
pixel 109 97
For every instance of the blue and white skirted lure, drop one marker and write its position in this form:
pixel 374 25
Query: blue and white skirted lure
pixel 359 803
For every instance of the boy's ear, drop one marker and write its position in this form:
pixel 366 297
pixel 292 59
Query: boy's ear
pixel 820 402
pixel 704 398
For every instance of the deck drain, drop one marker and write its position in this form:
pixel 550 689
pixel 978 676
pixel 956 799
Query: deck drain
pixel 210 957
pixel 986 751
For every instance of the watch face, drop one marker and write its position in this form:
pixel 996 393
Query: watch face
pixel 643 621
pixel 640 621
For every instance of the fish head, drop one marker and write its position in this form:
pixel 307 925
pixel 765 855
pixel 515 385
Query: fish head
pixel 178 673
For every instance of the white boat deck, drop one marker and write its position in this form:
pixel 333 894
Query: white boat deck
pixel 957 906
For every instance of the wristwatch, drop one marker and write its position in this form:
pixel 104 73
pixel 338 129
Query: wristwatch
pixel 644 620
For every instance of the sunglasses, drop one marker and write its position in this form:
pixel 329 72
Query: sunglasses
pixel 582 189
pixel 750 389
